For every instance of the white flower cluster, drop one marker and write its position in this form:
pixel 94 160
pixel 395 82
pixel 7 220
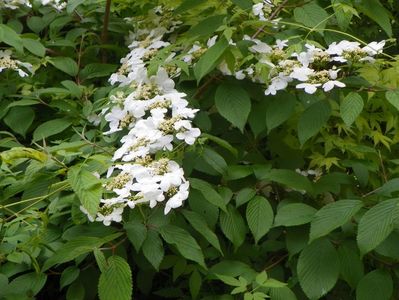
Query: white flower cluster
pixel 311 69
pixel 154 116
pixel 7 62
pixel 262 8
pixel 57 4
pixel 14 4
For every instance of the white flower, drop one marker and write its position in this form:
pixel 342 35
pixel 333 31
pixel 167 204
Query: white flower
pixel 211 41
pixel 186 132
pixel 374 48
pixel 281 44
pixel 257 10
pixel 309 88
pixel 329 85
pixel 301 73
pixel 177 200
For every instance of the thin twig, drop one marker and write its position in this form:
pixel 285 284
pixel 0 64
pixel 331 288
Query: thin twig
pixel 272 16
pixel 382 167
pixel 104 33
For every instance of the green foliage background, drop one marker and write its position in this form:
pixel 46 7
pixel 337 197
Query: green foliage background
pixel 252 226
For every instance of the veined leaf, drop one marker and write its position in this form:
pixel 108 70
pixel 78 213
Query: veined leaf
pixel 375 285
pixel 294 214
pixel 116 280
pixel 208 192
pixel 318 268
pixel 259 217
pixel 351 107
pixel 332 216
pixel 376 224
pixel 233 103
pixel 312 120
pixel 184 242
pixel 210 59
pixel 279 110
pixel 233 226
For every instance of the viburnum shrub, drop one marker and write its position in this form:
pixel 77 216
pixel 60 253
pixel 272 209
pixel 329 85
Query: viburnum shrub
pixel 199 149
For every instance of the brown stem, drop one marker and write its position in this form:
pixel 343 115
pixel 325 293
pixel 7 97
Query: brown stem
pixel 104 33
pixel 272 16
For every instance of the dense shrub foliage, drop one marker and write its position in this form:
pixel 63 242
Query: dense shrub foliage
pixel 191 149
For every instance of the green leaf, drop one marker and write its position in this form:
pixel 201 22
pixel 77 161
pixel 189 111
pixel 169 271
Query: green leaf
pixel 136 231
pixel 65 64
pixel 289 178
pixel 332 216
pixel 184 242
pixel 375 285
pixel 318 268
pixel 351 107
pixel 76 291
pixel 312 120
pixel 376 224
pixel 208 192
pixel 294 214
pixel 100 259
pixel 279 110
pixel 311 15
pixel 50 128
pixel 378 13
pixel 10 37
pixel 210 59
pixel 215 160
pixel 207 26
pixel 73 4
pixel 19 119
pixel 34 46
pixel 116 280
pixel 194 283
pixel 233 226
pixel 352 269
pixel 244 4
pixel 97 70
pixel 244 195
pixel 233 103
pixel 87 187
pixel 259 217
pixel 229 280
pixel 28 284
pixel 76 247
pixel 68 276
pixel 283 293
pixel 393 98
pixel 153 249
pixel 199 224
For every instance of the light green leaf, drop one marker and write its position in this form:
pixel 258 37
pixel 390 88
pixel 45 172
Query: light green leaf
pixel 244 195
pixel 294 214
pixel 312 120
pixel 351 107
pixel 19 119
pixel 116 280
pixel 210 59
pixel 65 64
pixel 184 242
pixel 332 216
pixel 10 37
pixel 50 128
pixel 378 13
pixel 233 103
pixel 34 46
pixel 279 109
pixel 199 224
pixel 259 217
pixel 318 268
pixel 311 15
pixel 233 226
pixel 208 192
pixel 376 224
pixel 76 247
pixel 375 285
pixel 87 187
pixel 393 98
